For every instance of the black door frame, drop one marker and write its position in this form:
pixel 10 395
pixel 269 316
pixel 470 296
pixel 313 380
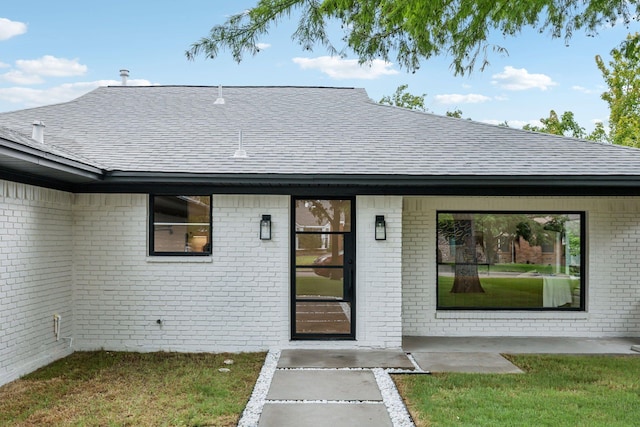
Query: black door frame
pixel 349 275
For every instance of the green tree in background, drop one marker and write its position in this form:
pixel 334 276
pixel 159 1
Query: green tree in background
pixel 412 30
pixel 457 113
pixel 564 125
pixel 402 98
pixel 623 79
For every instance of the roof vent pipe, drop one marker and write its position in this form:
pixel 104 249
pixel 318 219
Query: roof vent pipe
pixel 220 99
pixel 240 152
pixel 124 75
pixel 37 133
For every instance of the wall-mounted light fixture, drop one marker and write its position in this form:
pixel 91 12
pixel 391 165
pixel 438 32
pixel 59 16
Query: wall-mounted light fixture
pixel 265 227
pixel 381 228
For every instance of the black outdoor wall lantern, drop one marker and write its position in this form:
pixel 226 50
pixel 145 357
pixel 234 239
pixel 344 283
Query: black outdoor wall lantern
pixel 265 227
pixel 381 228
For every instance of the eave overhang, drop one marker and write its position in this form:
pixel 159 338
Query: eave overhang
pixel 30 165
pixel 535 185
pixel 33 166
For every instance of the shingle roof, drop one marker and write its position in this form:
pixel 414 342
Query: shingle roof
pixel 300 130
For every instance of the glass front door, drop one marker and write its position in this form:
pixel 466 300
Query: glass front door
pixel 323 277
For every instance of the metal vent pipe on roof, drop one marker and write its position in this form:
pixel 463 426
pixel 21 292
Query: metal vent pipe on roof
pixel 37 132
pixel 240 152
pixel 124 75
pixel 220 99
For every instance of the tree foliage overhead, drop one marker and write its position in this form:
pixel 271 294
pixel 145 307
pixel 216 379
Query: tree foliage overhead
pixel 408 31
pixel 623 96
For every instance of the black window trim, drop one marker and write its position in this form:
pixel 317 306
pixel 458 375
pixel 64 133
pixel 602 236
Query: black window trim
pixel 151 251
pixel 583 268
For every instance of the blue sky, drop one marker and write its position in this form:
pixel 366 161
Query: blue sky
pixel 55 51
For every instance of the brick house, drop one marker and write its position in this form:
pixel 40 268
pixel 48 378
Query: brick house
pixel 170 218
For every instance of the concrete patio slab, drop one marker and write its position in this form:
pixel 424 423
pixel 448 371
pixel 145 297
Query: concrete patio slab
pixel 521 345
pixel 324 415
pixel 295 358
pixel 486 363
pixel 324 385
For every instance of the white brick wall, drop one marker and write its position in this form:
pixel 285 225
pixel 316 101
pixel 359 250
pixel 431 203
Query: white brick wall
pixel 237 300
pixel 35 277
pixel 85 257
pixel 613 271
pixel 379 273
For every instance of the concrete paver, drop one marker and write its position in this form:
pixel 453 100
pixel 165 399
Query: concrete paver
pixel 324 415
pixel 319 393
pixel 521 345
pixel 465 362
pixel 344 359
pixel 324 385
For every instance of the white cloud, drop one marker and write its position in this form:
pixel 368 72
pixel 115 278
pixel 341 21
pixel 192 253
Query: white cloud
pixel 263 46
pixel 20 78
pixel 455 98
pixel 29 97
pixel 338 68
pixel 3 65
pixel 583 89
pixel 520 79
pixel 513 123
pixel 32 71
pixel 51 66
pixel 10 29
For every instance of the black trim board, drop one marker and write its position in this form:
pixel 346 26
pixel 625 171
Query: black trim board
pixel 330 185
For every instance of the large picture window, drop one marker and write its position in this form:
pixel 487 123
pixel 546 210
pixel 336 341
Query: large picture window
pixel 510 260
pixel 180 225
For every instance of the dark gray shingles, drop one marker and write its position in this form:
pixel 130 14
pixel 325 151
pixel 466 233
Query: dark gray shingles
pixel 300 130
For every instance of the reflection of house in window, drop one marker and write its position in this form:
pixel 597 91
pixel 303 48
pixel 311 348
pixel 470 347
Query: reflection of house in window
pixel 306 221
pixel 548 247
pixel 521 260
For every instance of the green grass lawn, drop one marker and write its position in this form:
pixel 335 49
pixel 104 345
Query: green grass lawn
pixel 133 389
pixel 554 391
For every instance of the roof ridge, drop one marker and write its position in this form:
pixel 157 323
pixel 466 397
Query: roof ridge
pixel 235 86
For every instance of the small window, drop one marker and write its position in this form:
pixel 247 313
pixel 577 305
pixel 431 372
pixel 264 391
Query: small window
pixel 180 225
pixel 510 260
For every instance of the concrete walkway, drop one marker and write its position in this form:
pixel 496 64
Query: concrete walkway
pixel 333 388
pixel 337 388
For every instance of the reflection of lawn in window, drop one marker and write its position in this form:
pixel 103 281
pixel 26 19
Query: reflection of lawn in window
pixel 501 292
pixel 318 285
pixel 305 259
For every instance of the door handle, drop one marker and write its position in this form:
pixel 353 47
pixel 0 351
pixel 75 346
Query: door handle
pixel 348 284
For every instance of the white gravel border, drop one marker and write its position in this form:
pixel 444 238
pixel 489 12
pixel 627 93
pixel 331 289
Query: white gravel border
pixel 251 414
pixel 390 397
pixel 395 406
